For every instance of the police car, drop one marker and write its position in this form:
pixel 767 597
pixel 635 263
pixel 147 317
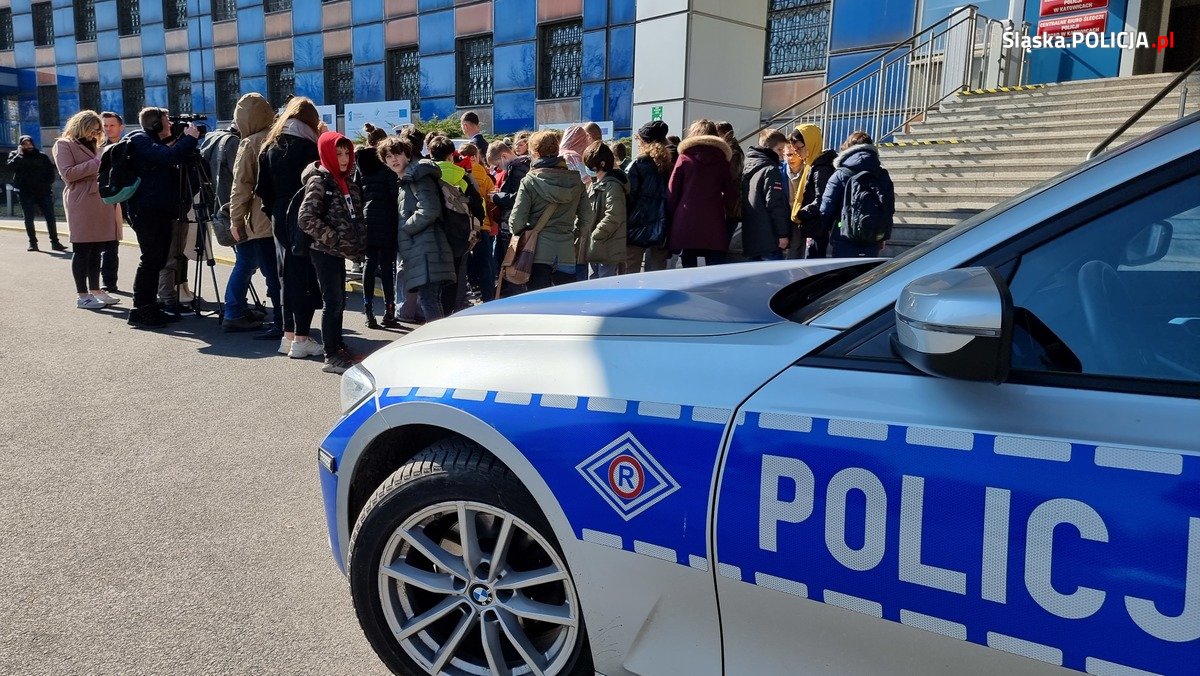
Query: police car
pixel 980 457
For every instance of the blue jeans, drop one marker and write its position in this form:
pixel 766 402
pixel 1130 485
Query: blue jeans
pixel 481 267
pixel 254 255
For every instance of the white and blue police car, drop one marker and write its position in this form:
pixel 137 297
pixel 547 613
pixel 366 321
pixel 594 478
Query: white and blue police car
pixel 980 457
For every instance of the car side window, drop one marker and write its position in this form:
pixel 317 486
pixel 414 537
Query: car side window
pixel 1118 295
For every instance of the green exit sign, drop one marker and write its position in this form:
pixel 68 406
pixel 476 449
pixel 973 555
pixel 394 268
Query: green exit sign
pixel 656 113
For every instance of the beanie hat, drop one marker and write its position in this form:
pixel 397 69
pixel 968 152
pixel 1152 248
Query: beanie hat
pixel 654 132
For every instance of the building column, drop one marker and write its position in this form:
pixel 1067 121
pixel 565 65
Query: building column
pixel 699 58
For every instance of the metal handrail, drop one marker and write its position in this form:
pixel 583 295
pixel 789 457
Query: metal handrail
pixel 1133 119
pixel 970 14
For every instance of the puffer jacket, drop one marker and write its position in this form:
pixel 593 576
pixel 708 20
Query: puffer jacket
pixel 697 194
pixel 606 242
pixel 862 157
pixel 764 204
pixel 648 176
pixel 253 117
pixel 424 250
pixel 506 192
pixel 551 182
pixel 325 216
pixel 381 206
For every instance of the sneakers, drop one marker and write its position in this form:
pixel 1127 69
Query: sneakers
pixel 146 318
pixel 103 297
pixel 339 362
pixel 186 297
pixel 285 346
pixel 90 302
pixel 256 314
pixel 244 323
pixel 32 246
pixel 303 349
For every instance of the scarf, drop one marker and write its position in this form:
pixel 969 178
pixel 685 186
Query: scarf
pixel 294 127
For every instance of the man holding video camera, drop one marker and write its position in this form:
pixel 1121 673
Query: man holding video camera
pixel 158 149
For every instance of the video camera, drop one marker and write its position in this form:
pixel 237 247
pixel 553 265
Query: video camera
pixel 181 122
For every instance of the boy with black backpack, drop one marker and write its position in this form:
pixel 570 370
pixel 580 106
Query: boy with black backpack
pixel 859 201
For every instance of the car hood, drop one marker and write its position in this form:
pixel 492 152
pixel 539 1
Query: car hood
pixel 706 301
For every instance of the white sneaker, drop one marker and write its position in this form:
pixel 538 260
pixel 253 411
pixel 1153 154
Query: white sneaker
pixel 306 348
pixel 103 297
pixel 285 345
pixel 185 294
pixel 90 302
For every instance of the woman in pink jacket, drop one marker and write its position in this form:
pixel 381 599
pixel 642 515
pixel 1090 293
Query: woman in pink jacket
pixel 93 224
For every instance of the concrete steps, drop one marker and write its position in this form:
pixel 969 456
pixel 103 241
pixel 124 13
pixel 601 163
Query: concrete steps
pixel 1007 142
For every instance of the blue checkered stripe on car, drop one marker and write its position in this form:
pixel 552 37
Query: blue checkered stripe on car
pixel 1080 555
pixel 585 447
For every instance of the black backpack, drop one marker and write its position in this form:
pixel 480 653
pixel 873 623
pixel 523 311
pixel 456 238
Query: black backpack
pixel 868 205
pixel 118 178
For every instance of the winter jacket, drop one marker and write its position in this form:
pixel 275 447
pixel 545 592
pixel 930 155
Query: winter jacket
pixel 698 192
pixel 424 251
pixel 483 182
pixel 606 240
pixel 506 193
pixel 481 143
pixel 647 205
pixel 253 117
pixel 737 164
pixel 764 204
pixel 33 172
pixel 88 217
pixel 157 164
pixel 335 226
pixel 380 195
pixel 551 182
pixel 279 170
pixel 862 157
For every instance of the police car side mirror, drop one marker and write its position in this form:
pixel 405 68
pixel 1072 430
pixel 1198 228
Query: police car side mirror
pixel 956 324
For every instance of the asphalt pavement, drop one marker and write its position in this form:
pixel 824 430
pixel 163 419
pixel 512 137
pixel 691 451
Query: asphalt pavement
pixel 161 512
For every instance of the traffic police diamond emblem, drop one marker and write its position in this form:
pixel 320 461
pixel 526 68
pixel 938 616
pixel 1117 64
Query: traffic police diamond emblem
pixel 628 478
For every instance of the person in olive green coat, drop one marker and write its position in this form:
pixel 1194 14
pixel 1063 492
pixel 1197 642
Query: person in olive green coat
pixel 605 243
pixel 550 182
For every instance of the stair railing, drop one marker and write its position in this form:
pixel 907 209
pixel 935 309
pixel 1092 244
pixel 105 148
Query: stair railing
pixel 1148 106
pixel 885 94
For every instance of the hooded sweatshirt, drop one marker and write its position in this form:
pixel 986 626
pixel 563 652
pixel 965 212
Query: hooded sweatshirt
pixel 253 117
pixel 453 174
pixel 329 212
pixel 550 182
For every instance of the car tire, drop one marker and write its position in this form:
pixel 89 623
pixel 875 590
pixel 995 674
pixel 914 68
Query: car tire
pixel 439 607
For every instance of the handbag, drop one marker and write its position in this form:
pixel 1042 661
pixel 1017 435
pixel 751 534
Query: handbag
pixel 518 260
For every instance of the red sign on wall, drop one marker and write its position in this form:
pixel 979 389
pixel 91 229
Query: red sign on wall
pixel 1056 7
pixel 1080 23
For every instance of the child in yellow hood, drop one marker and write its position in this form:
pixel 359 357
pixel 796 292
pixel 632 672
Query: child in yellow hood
pixel 816 166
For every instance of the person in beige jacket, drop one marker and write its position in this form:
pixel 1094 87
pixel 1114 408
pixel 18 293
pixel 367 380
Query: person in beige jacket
pixel 249 224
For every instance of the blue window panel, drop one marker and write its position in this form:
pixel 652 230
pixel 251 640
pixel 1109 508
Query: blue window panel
pixel 591 103
pixel 27 83
pixel 306 16
pixel 108 45
pixel 61 3
pixel 840 66
pixel 111 99
pixel 310 84
pixel 890 23
pixel 24 55
pixel 204 100
pixel 64 49
pixel 594 44
pixel 242 4
pixel 437 77
pixel 20 6
pixel 110 75
pixel 514 20
pixel 620 52
pixel 22 27
pixel 436 32
pixel 595 14
pixel 308 52
pixel 68 104
pixel 68 76
pixel 29 109
pixel 511 111
pixel 199 8
pixel 152 12
pixel 154 39
pixel 254 84
pixel 202 64
pixel 430 5
pixel 441 108
pixel 368 83
pixel 64 23
pixel 154 69
pixel 252 60
pixel 106 16
pixel 365 11
pixel 33 130
pixel 622 11
pixel 367 44
pixel 515 67
pixel 200 33
pixel 250 24
pixel 156 97
pixel 620 102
